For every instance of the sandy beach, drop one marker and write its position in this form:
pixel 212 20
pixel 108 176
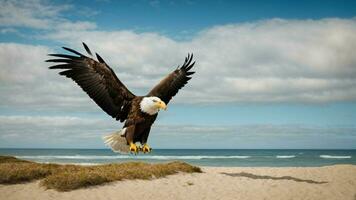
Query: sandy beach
pixel 329 182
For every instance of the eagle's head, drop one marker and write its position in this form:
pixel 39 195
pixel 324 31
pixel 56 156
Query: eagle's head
pixel 151 105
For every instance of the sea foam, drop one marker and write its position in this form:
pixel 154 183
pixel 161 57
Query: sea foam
pixel 118 157
pixel 289 156
pixel 334 157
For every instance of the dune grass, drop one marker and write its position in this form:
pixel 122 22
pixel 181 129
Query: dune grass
pixel 70 177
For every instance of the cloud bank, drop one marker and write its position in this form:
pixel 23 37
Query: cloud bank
pixel 41 15
pixel 265 61
pixel 75 132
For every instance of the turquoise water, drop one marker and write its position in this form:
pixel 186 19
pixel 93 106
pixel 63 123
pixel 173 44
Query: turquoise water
pixel 203 157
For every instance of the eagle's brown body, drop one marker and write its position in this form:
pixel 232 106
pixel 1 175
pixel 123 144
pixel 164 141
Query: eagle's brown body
pixel 138 123
pixel 100 82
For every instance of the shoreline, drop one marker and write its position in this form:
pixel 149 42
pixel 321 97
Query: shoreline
pixel 178 160
pixel 201 166
pixel 228 158
pixel 214 158
pixel 327 182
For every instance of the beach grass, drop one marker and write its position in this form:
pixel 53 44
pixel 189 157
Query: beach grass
pixel 70 177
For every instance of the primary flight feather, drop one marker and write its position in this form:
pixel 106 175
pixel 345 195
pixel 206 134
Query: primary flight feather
pixel 138 113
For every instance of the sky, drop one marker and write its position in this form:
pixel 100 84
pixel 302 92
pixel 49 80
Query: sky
pixel 269 74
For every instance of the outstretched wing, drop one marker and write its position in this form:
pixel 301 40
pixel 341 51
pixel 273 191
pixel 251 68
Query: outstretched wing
pixel 169 86
pixel 97 79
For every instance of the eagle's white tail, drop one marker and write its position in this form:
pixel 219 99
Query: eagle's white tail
pixel 117 142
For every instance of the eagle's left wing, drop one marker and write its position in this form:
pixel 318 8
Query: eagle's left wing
pixel 170 85
pixel 97 79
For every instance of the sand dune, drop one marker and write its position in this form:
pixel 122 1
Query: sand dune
pixel 330 182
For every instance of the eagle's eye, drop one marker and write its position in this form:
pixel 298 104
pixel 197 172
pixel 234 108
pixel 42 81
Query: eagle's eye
pixel 154 100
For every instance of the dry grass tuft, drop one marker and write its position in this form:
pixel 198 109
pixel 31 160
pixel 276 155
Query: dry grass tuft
pixel 10 159
pixel 70 177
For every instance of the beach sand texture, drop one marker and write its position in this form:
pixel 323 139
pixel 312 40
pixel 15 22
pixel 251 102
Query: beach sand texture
pixel 329 182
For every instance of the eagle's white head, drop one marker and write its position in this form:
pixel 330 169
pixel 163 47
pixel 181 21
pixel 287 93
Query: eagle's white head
pixel 151 105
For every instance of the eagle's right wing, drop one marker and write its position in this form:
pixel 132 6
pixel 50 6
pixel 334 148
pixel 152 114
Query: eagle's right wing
pixel 97 79
pixel 173 82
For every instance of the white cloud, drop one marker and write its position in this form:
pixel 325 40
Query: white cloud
pixel 21 63
pixel 83 132
pixel 53 131
pixel 265 61
pixel 32 14
pixel 40 14
pixel 25 80
pixel 75 26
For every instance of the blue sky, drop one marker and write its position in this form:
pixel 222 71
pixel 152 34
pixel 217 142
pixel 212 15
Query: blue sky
pixel 176 16
pixel 270 74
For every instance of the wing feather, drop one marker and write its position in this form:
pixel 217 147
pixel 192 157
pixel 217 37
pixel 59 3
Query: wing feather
pixel 87 49
pixel 97 79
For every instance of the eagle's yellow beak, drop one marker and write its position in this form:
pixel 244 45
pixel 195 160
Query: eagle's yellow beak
pixel 161 105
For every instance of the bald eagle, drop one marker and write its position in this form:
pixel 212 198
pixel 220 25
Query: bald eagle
pixel 138 113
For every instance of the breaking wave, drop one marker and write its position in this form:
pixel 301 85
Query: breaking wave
pixel 289 156
pixel 117 157
pixel 334 157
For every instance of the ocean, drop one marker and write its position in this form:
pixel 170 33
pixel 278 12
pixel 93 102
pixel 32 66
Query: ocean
pixel 201 157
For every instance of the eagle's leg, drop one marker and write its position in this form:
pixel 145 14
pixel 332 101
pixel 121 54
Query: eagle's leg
pixel 130 131
pixel 133 148
pixel 146 148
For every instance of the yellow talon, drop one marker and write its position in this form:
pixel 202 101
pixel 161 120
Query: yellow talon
pixel 146 148
pixel 133 148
